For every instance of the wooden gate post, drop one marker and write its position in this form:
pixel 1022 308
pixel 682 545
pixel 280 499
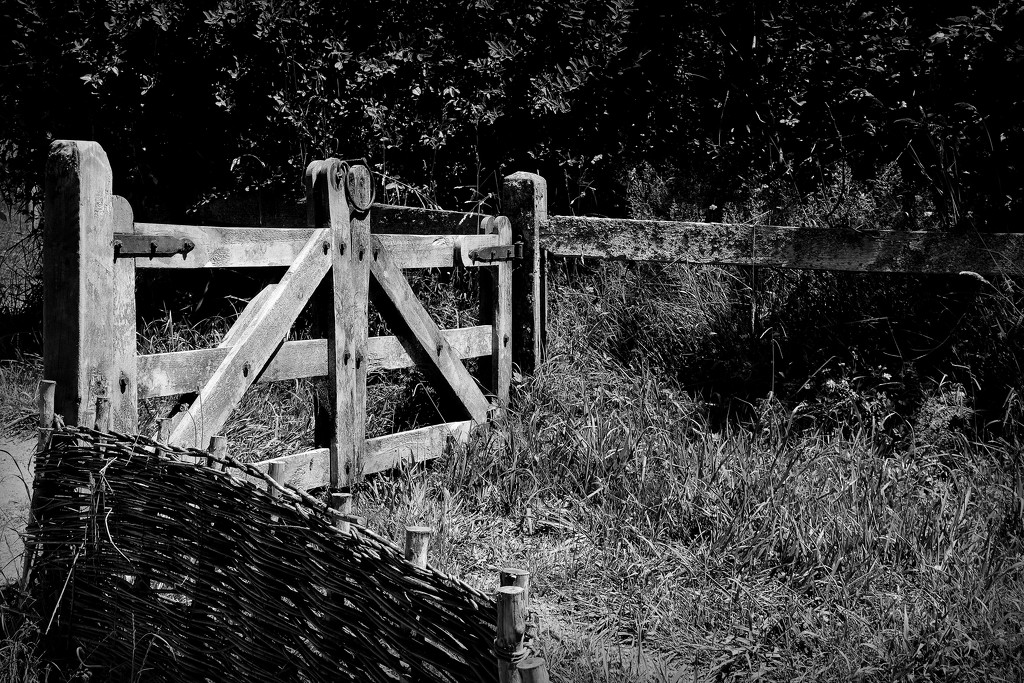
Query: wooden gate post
pixel 524 199
pixel 124 392
pixel 78 278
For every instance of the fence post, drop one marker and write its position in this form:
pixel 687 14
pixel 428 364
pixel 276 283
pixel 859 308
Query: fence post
pixel 78 278
pixel 533 670
pixel 124 394
pixel 341 505
pixel 508 646
pixel 417 540
pixel 524 200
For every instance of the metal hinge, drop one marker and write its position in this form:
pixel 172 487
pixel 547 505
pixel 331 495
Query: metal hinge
pixel 505 252
pixel 139 246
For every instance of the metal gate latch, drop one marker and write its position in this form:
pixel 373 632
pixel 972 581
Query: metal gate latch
pixel 506 252
pixel 127 245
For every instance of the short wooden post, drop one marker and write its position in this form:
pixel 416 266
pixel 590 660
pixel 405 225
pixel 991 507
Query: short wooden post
pixel 533 670
pixel 165 426
pixel 511 622
pixel 102 415
pixel 276 471
pixel 417 541
pixel 512 576
pixel 47 391
pixel 78 278
pixel 124 393
pixel 524 199
pixel 218 448
pixel 341 505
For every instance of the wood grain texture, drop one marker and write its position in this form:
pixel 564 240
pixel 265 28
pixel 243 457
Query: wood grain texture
pixel 882 251
pixel 246 317
pixel 311 469
pixel 421 337
pixel 219 247
pixel 256 346
pixel 524 199
pixel 124 393
pixel 495 372
pixel 356 302
pixel 261 210
pixel 181 372
pixel 78 278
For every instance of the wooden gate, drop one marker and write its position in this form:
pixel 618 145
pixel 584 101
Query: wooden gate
pixel 93 247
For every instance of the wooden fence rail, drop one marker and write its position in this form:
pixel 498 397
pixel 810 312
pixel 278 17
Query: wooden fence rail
pixel 83 283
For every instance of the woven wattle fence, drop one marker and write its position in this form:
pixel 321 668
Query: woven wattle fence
pixel 149 566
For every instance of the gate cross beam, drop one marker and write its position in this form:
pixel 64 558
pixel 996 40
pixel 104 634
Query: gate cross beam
pixel 420 335
pixel 256 341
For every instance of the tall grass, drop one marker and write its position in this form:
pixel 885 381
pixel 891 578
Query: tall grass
pixel 665 547
pixel 669 544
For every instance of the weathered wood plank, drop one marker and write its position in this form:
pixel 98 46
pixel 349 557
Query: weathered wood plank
pixel 256 345
pixel 882 251
pixel 496 309
pixel 417 445
pixel 355 302
pixel 420 335
pixel 78 278
pixel 219 247
pixel 311 469
pixel 245 318
pixel 524 198
pixel 124 390
pixel 180 372
pixel 264 211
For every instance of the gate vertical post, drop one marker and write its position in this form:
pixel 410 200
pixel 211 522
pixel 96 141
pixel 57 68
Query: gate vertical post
pixel 124 393
pixel 495 310
pixel 347 327
pixel 524 199
pixel 78 278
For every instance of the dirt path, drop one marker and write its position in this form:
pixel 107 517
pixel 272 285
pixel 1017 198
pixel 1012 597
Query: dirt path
pixel 15 484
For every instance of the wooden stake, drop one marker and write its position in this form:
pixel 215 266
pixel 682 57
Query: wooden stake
pixel 78 277
pixel 417 540
pixel 124 390
pixel 276 471
pixel 164 429
pixel 47 391
pixel 511 622
pixel 524 199
pixel 102 415
pixel 533 670
pixel 511 576
pixel 219 448
pixel 341 504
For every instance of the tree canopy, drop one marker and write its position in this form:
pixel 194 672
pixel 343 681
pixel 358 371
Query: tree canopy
pixel 725 99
